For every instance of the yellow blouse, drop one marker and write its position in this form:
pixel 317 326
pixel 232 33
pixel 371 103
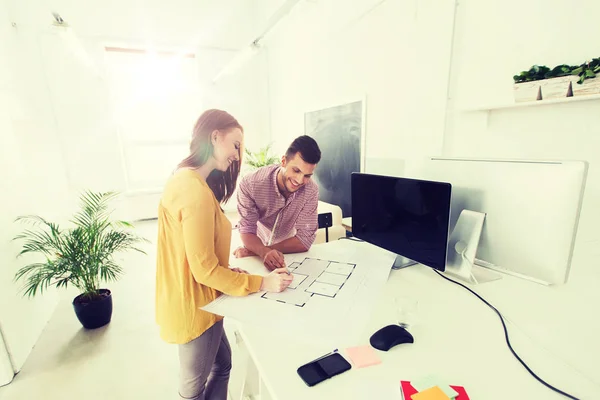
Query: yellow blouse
pixel 194 239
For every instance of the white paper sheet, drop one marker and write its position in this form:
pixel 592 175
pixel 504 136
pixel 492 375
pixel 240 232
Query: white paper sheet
pixel 332 279
pixel 330 304
pixel 323 289
pixel 291 267
pixel 298 279
pixel 292 258
pixel 339 268
pixel 312 266
pixel 289 297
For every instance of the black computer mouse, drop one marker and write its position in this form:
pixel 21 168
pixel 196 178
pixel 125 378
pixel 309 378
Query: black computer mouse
pixel 390 336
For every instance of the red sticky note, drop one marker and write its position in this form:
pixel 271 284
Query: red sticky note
pixel 407 389
pixel 462 393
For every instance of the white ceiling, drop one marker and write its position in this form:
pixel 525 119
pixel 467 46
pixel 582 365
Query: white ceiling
pixel 230 24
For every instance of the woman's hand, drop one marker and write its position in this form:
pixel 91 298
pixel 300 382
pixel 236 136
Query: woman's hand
pixel 277 280
pixel 241 271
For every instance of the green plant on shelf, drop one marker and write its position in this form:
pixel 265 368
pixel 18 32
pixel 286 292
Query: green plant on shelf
pixel 587 70
pixel 559 70
pixel 535 73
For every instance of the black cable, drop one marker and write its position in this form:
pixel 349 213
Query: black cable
pixel 508 341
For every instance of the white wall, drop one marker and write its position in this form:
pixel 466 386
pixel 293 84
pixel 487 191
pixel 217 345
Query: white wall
pixel 326 53
pixel 244 94
pixel 89 125
pixel 32 178
pixel 495 41
pixel 398 54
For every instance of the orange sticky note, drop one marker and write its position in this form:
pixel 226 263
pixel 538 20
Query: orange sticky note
pixel 433 393
pixel 362 356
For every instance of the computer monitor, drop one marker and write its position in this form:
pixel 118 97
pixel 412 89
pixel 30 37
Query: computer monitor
pixel 409 217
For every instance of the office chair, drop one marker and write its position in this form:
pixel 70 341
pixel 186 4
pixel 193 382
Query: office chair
pixel 325 221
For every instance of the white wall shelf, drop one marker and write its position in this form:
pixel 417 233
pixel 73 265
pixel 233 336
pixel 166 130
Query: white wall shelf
pixel 531 103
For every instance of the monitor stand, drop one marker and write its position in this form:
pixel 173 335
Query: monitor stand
pixel 462 249
pixel 402 262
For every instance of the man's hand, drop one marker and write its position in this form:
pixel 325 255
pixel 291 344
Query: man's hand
pixel 273 259
pixel 242 252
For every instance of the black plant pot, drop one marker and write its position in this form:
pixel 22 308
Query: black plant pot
pixel 96 313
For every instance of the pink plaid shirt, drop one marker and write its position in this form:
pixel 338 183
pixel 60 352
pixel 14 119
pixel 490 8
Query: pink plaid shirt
pixel 261 205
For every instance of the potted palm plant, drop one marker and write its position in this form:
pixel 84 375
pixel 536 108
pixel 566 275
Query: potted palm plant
pixel 81 256
pixel 261 158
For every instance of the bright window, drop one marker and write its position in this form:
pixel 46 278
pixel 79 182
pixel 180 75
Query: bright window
pixel 155 101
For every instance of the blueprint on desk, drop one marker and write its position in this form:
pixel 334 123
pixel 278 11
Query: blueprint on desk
pixel 313 277
pixel 330 295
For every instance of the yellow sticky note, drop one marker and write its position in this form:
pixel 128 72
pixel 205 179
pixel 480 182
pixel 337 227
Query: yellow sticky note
pixel 433 393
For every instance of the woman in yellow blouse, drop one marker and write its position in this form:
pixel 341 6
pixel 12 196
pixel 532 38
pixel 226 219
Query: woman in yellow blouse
pixel 194 239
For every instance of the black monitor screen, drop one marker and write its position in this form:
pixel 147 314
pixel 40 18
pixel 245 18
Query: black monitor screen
pixel 408 217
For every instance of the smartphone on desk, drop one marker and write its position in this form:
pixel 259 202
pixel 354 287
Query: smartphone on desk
pixel 323 368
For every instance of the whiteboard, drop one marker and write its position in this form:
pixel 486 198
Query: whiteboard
pixel 532 209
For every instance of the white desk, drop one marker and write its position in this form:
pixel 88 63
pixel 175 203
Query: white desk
pixel 457 337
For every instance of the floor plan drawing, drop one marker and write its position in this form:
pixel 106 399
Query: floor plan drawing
pixel 313 277
pixel 333 291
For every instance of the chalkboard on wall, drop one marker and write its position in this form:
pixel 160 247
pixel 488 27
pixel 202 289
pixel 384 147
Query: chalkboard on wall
pixel 339 131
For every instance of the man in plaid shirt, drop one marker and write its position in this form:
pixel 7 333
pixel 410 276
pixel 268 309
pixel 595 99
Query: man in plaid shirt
pixel 278 205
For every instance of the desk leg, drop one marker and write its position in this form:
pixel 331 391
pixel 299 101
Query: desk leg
pixel 248 384
pixel 244 383
pixel 251 380
pixel 254 388
pixel 240 360
pixel 264 392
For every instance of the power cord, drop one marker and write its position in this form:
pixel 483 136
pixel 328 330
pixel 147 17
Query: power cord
pixel 508 341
